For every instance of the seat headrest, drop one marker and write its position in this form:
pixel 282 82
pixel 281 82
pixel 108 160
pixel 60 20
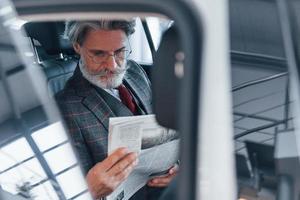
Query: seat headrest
pixel 50 36
pixel 166 85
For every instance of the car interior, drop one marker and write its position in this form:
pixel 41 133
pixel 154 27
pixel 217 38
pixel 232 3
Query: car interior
pixel 264 117
pixel 54 57
pixel 54 54
pixel 24 123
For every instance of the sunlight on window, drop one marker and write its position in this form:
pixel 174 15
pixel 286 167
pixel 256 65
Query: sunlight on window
pixel 84 196
pixel 154 27
pixel 6 161
pixel 72 182
pixel 17 23
pixel 60 158
pixel 33 170
pixel 44 191
pixel 14 152
pixel 157 27
pixel 30 171
pixel 140 47
pixel 50 136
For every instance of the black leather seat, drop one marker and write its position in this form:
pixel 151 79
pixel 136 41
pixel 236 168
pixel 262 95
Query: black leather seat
pixel 54 53
pixel 58 73
pixel 22 111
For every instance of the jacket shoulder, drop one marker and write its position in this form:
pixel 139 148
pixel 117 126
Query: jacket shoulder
pixel 67 95
pixel 137 72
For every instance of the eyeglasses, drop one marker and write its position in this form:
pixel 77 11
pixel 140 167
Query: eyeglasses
pixel 120 56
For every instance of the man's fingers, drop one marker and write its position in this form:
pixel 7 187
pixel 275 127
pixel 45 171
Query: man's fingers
pixel 174 169
pixel 125 173
pixel 161 181
pixel 113 158
pixel 156 184
pixel 128 161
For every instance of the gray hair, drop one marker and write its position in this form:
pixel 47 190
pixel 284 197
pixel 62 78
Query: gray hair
pixel 76 31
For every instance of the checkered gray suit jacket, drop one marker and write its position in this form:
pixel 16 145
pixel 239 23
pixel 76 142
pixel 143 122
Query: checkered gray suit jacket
pixel 86 110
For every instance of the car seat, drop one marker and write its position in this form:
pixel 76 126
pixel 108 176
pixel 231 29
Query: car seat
pixel 54 53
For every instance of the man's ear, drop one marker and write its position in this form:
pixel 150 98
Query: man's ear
pixel 76 47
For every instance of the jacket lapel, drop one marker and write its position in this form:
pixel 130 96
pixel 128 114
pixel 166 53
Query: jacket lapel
pixel 98 107
pixel 138 93
pixel 91 99
pixel 117 107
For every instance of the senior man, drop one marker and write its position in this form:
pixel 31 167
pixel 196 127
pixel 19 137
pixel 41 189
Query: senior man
pixel 105 84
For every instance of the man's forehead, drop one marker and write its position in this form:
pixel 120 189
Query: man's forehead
pixel 105 39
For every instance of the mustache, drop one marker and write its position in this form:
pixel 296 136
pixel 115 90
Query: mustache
pixel 105 72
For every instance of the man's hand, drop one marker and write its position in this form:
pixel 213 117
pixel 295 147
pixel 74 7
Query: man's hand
pixel 105 176
pixel 163 181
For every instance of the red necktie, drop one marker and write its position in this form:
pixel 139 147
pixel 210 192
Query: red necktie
pixel 127 99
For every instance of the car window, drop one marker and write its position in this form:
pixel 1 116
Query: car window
pixel 37 161
pixel 41 163
pixel 264 114
pixel 139 41
pixel 157 26
pixel 57 61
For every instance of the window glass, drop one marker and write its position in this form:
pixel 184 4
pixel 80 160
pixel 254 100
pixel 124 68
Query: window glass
pixel 140 47
pixel 47 191
pixel 28 172
pixel 263 116
pixel 6 161
pixel 30 124
pixel 157 26
pixel 14 153
pixel 139 43
pixel 49 136
pixel 60 158
pixel 39 154
pixel 33 170
pixel 259 116
pixel 84 196
pixel 73 176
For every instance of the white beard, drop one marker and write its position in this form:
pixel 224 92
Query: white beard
pixel 100 79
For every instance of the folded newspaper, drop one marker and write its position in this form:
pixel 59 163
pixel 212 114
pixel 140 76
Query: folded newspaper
pixel 158 150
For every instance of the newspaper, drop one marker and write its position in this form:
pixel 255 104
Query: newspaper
pixel 158 150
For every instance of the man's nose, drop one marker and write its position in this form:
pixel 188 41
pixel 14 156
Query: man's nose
pixel 111 62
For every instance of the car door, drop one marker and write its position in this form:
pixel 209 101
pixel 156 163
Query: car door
pixel 195 113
